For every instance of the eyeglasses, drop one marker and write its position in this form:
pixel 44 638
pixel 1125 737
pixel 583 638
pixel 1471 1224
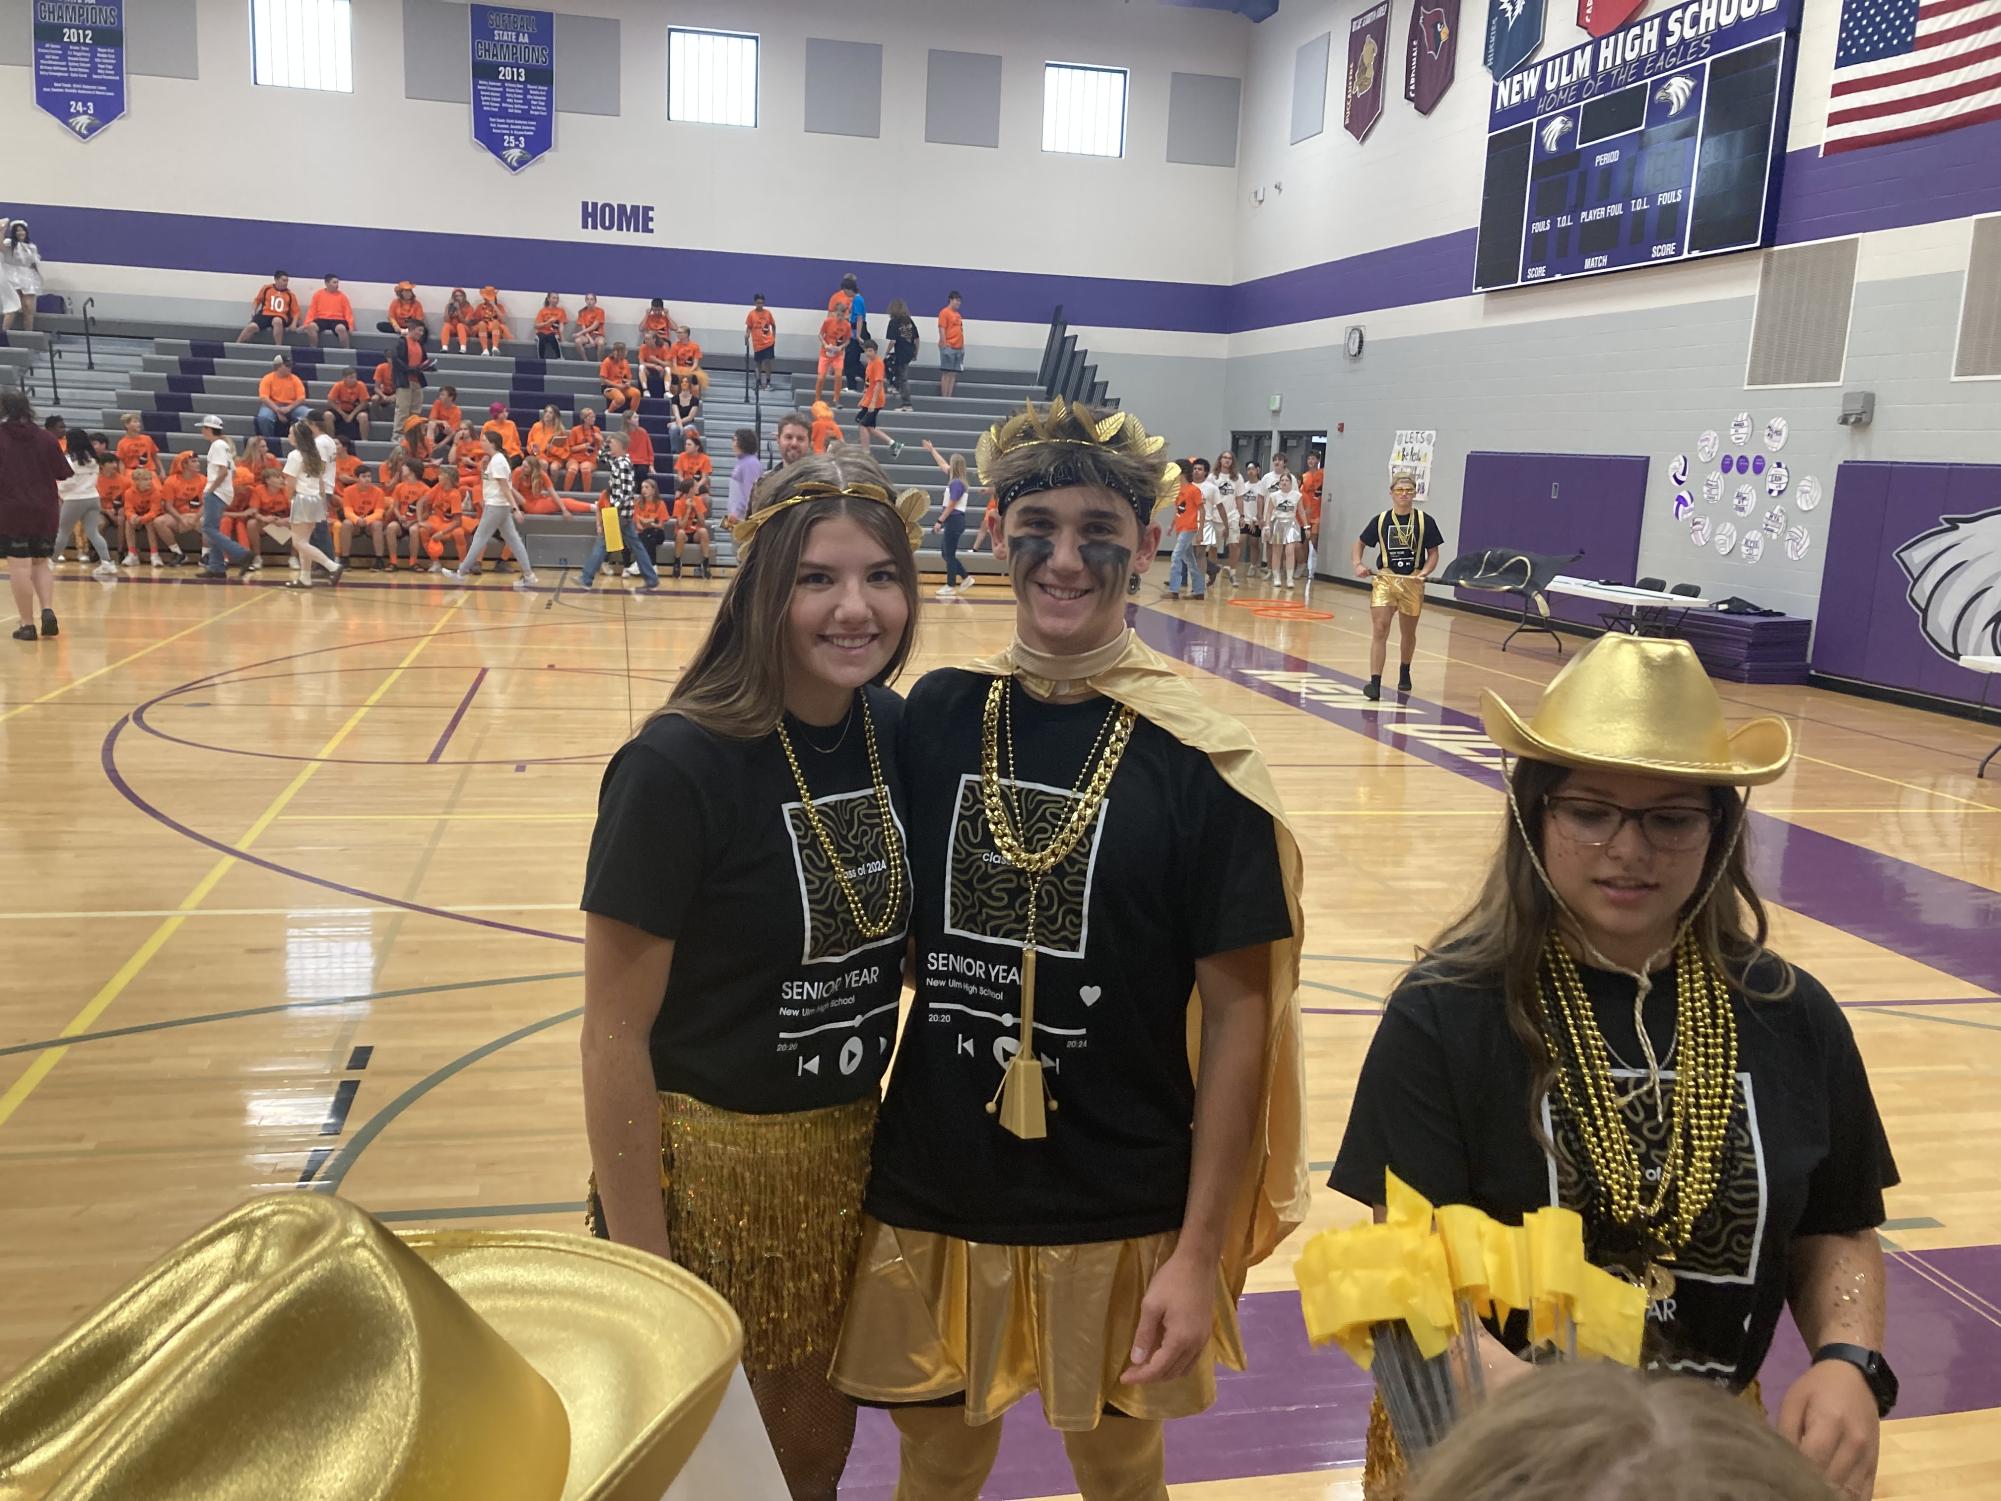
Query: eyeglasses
pixel 1672 830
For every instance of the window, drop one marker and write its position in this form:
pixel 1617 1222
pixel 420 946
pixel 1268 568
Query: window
pixel 302 44
pixel 711 77
pixel 1084 110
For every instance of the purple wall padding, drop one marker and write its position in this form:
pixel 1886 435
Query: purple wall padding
pixel 1877 635
pixel 1507 502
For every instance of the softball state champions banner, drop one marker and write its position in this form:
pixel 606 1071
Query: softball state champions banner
pixel 513 83
pixel 80 63
pixel 1368 60
pixel 1431 53
pixel 1514 32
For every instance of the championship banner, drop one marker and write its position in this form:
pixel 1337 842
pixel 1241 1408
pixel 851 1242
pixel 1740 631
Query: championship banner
pixel 1368 56
pixel 1514 32
pixel 1603 17
pixel 1413 449
pixel 513 83
pixel 1431 58
pixel 80 63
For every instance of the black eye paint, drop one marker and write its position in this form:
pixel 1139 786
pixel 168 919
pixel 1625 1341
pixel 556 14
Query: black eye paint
pixel 1025 554
pixel 1108 561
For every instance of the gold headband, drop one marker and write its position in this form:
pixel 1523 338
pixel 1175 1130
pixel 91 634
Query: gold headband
pixel 1120 432
pixel 909 506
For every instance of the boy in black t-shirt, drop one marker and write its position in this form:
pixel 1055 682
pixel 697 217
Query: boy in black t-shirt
pixel 1407 543
pixel 1055 1184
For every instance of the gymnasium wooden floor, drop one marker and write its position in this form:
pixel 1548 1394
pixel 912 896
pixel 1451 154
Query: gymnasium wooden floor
pixel 288 897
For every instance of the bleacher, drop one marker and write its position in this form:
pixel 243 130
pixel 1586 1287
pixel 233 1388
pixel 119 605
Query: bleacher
pixel 183 379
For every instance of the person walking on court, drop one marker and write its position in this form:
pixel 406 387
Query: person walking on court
pixel 218 490
pixel 82 506
pixel 1407 543
pixel 31 467
pixel 621 486
pixel 309 481
pixel 498 503
pixel 746 900
pixel 951 523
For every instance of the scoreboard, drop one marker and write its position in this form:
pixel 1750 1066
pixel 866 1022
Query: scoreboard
pixel 1660 142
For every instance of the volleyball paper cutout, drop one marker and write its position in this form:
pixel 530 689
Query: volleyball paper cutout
pixel 1778 479
pixel 1712 487
pixel 1683 504
pixel 1955 574
pixel 1743 500
pixel 1708 446
pixel 1775 521
pixel 1797 542
pixel 1698 531
pixel 1740 429
pixel 1726 538
pixel 1678 470
pixel 1775 434
pixel 1808 497
pixel 1752 547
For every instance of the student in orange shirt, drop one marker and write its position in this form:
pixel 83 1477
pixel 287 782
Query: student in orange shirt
pixel 445 416
pixel 347 467
pixel 656 319
pixel 405 508
pixel 465 446
pixel 275 307
pixel 114 489
pixel 498 421
pixel 691 522
pixel 445 520
pixel 875 395
pixel 361 505
pixel 147 515
pixel 638 448
pixel 458 322
pixel 652 519
pixel 684 356
pixel 763 331
pixel 489 322
pixel 655 358
pixel 951 344
pixel 186 477
pixel 348 401
pixel 1310 486
pixel 382 393
pixel 137 450
pixel 588 340
pixel 538 493
pixel 825 429
pixel 404 309
pixel 241 521
pixel 281 400
pixel 615 372
pixel 549 321
pixel 586 443
pixel 835 331
pixel 990 524
pixel 1186 565
pixel 330 313
pixel 693 464
pixel 549 439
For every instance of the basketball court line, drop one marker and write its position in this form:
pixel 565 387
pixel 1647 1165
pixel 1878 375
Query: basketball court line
pixel 75 683
pixel 38 1070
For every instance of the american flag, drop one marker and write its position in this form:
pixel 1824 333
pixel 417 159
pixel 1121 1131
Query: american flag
pixel 1905 68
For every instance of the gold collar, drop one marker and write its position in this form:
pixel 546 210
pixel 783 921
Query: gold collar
pixel 1065 679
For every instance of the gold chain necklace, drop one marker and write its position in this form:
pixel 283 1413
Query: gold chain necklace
pixel 892 841
pixel 1404 535
pixel 1020 1100
pixel 1705 1092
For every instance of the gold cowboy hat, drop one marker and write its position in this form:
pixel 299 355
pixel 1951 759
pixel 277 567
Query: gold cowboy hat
pixel 296 1342
pixel 1628 703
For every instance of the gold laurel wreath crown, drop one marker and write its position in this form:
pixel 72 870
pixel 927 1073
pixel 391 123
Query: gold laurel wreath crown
pixel 910 506
pixel 1121 433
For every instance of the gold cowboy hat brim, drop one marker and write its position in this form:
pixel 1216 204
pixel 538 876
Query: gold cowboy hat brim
pixel 1644 706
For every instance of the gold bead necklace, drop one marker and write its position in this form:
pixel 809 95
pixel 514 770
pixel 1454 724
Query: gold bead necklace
pixel 870 928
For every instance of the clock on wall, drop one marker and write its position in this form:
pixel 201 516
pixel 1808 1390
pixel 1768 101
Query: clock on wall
pixel 1355 341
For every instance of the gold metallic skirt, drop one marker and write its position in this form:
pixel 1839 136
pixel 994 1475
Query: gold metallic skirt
pixel 766 1209
pixel 1399 591
pixel 933 1317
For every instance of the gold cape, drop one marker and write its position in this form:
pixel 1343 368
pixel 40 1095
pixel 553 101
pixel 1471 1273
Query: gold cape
pixel 1273 1201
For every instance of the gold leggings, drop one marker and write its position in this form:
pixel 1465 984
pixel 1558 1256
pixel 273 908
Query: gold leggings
pixel 945 1459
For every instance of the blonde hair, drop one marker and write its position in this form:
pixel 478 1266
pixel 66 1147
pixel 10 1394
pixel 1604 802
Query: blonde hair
pixel 956 466
pixel 1596 1432
pixel 305 438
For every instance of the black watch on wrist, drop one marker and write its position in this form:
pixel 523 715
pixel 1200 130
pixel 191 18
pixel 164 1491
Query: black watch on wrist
pixel 1874 1368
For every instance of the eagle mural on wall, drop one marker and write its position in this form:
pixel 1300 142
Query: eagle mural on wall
pixel 1955 574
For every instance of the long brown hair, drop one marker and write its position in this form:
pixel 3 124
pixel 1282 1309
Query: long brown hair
pixel 1498 942
pixel 1598 1432
pixel 735 685
pixel 305 438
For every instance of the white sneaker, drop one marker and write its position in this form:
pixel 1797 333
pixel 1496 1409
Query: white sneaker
pixel 106 570
pixel 437 568
pixel 632 570
pixel 526 581
pixel 156 561
pixel 131 560
pixel 256 565
pixel 948 592
pixel 293 562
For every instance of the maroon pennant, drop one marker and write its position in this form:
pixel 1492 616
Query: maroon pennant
pixel 1603 17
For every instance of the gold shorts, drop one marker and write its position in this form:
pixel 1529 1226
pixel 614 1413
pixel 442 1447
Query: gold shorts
pixel 1399 591
pixel 933 1316
pixel 766 1209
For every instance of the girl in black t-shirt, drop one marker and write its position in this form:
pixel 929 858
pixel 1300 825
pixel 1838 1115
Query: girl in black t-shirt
pixel 746 904
pixel 1607 1020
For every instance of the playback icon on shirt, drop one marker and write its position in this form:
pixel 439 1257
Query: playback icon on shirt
pixel 847 1060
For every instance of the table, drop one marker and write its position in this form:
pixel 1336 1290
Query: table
pixel 1633 598
pixel 1990 666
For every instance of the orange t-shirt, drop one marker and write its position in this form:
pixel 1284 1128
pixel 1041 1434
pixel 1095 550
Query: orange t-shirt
pixel 443 411
pixel 586 438
pixel 138 451
pixel 364 500
pixel 113 490
pixel 590 319
pixel 185 482
pixel 656 322
pixel 651 513
pixel 686 353
pixel 333 306
pixel 490 312
pixel 444 500
pixel 385 380
pixel 655 355
pixel 693 466
pixel 825 430
pixel 615 372
pixel 275 301
pixel 525 487
pixel 763 327
pixel 347 395
pixel 550 320
pixel 875 376
pixel 405 499
pixel 841 304
pixel 1188 508
pixel 510 435
pixel 691 510
pixel 951 328
pixel 1309 493
pixel 549 442
pixel 406 310
pixel 465 451
pixel 458 312
pixel 835 331
pixel 347 469
pixel 144 502
pixel 639 446
pixel 281 388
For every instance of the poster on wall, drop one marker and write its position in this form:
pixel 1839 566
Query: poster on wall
pixel 1368 57
pixel 1514 32
pixel 1413 449
pixel 79 63
pixel 1431 56
pixel 513 83
pixel 1603 17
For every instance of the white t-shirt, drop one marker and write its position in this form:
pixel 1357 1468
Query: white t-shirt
pixel 222 471
pixel 82 481
pixel 329 451
pixel 1284 504
pixel 308 486
pixel 497 488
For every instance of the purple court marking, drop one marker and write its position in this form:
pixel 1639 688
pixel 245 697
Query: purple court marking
pixel 458 714
pixel 1925 915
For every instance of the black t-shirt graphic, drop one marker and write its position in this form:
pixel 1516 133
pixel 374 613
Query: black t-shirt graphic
pixel 1401 549
pixel 775 1001
pixel 1443 1102
pixel 1178 866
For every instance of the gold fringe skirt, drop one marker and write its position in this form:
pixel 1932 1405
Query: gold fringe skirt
pixel 1385 1470
pixel 933 1317
pixel 766 1209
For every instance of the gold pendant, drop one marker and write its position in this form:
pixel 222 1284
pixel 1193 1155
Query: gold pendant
pixel 1659 1283
pixel 1020 1101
